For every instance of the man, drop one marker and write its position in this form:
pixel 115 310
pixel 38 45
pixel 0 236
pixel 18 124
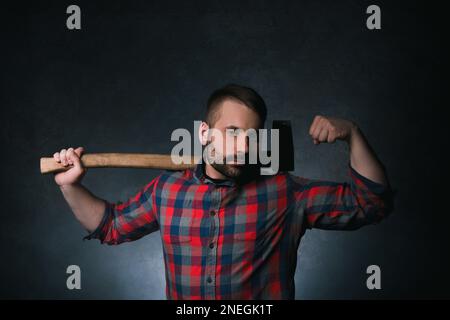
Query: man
pixel 225 237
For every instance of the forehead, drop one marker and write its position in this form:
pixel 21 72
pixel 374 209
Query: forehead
pixel 233 113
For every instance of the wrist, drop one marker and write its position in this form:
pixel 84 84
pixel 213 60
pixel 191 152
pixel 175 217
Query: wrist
pixel 353 132
pixel 66 187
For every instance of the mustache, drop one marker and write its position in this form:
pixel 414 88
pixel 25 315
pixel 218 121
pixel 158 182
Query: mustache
pixel 242 157
pixel 239 157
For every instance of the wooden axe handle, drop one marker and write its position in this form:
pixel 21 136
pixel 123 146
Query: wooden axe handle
pixel 122 160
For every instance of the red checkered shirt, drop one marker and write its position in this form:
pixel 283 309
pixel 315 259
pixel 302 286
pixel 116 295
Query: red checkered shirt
pixel 222 240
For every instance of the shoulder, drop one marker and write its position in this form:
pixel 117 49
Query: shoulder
pixel 280 180
pixel 171 177
pixel 288 181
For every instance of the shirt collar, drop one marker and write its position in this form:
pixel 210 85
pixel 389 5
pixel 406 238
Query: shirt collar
pixel 200 176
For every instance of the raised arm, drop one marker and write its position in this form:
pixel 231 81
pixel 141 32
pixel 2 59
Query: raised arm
pixel 362 157
pixel 111 223
pixel 366 199
pixel 87 208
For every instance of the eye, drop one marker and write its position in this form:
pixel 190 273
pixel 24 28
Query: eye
pixel 233 132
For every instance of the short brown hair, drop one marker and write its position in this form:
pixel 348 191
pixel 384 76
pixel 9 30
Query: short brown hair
pixel 246 95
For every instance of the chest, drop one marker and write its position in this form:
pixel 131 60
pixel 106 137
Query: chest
pixel 201 214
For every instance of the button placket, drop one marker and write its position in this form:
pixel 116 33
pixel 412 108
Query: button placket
pixel 212 247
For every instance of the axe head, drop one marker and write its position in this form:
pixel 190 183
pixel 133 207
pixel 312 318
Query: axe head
pixel 286 143
pixel 286 146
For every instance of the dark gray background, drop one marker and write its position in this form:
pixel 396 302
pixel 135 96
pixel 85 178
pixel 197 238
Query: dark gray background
pixel 139 69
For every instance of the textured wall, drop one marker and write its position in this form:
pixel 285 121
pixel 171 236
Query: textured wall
pixel 139 69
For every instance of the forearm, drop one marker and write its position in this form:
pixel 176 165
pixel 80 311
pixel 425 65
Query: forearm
pixel 363 158
pixel 87 208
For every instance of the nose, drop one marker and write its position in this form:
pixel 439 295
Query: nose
pixel 241 144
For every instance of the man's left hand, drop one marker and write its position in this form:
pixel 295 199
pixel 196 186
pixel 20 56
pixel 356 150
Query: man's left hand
pixel 326 129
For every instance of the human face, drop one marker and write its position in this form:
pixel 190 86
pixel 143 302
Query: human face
pixel 228 139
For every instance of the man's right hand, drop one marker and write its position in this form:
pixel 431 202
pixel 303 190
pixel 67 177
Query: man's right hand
pixel 70 157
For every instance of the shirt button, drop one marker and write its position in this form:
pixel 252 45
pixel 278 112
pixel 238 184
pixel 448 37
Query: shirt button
pixel 211 245
pixel 209 280
pixel 212 213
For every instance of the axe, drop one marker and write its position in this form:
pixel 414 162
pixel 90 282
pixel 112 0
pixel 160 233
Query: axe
pixel 163 161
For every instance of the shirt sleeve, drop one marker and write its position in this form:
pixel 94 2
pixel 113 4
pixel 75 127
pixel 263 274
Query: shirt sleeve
pixel 342 206
pixel 128 221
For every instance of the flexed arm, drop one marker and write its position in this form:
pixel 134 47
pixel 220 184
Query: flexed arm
pixel 366 199
pixel 362 157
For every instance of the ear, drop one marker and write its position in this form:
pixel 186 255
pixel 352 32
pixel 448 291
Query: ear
pixel 203 133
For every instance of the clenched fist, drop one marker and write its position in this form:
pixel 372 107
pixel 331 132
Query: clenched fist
pixel 70 157
pixel 325 129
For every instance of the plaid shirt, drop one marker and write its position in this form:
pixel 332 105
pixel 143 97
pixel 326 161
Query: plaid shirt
pixel 225 241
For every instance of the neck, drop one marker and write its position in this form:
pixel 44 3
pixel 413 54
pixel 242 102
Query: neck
pixel 213 173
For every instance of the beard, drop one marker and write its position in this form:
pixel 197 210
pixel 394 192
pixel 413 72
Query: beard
pixel 229 171
pixel 242 173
